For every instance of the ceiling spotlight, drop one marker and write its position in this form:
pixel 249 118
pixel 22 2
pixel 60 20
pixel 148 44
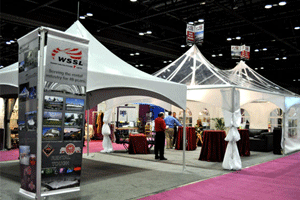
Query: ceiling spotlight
pixel 82 17
pixel 137 53
pixel 191 22
pixel 202 3
pixel 268 6
pixel 294 80
pixel 262 68
pixel 276 58
pixel 238 37
pixel 182 45
pixel 284 58
pixel 256 68
pixel 133 0
pixel 89 14
pixel 149 32
pixel 220 54
pixel 141 33
pixel 265 49
pixel 275 4
pixel 1 66
pixel 170 61
pixel 235 7
pixel 229 39
pixel 200 20
pixel 132 54
pixel 141 65
pixel 213 55
pixel 256 50
pixel 12 41
pixel 137 65
pixel 297 28
pixel 8 42
pixel 282 3
pixel 165 61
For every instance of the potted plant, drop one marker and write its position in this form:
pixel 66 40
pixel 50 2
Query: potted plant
pixel 219 122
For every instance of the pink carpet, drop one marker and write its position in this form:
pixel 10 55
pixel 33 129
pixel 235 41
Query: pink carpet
pixel 94 146
pixel 278 179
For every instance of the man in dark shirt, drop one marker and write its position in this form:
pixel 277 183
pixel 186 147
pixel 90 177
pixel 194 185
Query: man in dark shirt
pixel 160 127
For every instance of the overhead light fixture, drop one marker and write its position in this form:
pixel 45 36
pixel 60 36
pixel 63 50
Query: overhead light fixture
pixel 164 76
pixel 165 61
pixel 89 14
pixel 200 20
pixel 284 58
pixel 132 54
pixel 137 65
pixel 256 68
pixel 168 70
pixel 12 41
pixel 238 37
pixel 294 80
pixel 265 49
pixel 202 3
pixel 141 33
pixel 1 66
pixel 141 65
pixel 276 58
pixel 282 3
pixel 149 32
pixel 220 54
pixel 213 55
pixel 235 7
pixel 137 53
pixel 256 50
pixel 262 68
pixel 82 17
pixel 133 0
pixel 182 45
pixel 229 39
pixel 170 61
pixel 297 28
pixel 191 22
pixel 8 43
pixel 268 6
pixel 275 4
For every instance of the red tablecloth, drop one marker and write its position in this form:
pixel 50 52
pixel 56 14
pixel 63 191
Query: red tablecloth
pixel 244 144
pixel 190 136
pixel 214 146
pixel 138 144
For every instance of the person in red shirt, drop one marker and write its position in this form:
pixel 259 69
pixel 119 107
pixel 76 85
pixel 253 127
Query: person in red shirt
pixel 160 127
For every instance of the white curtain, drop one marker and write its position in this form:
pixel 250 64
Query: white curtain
pixel 107 145
pixel 232 118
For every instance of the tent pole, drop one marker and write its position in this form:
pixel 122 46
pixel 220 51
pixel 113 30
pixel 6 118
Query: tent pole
pixel 40 86
pixel 88 132
pixel 194 68
pixel 78 10
pixel 183 140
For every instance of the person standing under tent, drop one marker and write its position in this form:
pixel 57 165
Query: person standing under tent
pixel 175 130
pixel 160 127
pixel 170 121
pixel 199 132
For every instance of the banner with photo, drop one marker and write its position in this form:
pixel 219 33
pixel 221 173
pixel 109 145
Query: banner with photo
pixel 63 114
pixel 235 52
pixel 245 52
pixel 27 119
pixel 56 128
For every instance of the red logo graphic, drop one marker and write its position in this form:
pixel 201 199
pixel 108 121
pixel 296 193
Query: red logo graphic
pixel 73 53
pixel 70 149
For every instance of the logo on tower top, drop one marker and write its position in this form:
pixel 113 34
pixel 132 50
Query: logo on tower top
pixel 68 55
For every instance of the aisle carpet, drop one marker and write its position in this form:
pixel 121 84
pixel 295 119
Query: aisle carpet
pixel 94 146
pixel 278 179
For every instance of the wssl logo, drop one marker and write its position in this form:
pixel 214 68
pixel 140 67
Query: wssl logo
pixel 74 56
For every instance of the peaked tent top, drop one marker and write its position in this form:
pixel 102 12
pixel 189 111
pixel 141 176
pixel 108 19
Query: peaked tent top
pixel 246 77
pixel 194 70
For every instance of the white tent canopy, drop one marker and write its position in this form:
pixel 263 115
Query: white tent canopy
pixel 110 77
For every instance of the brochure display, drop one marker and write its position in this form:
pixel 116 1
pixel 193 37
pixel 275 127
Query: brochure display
pixel 52 88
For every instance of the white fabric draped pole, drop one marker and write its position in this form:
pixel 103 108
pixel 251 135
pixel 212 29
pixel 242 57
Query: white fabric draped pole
pixel 232 118
pixel 107 145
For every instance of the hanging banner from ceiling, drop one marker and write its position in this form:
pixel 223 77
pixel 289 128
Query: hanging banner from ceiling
pixel 190 34
pixel 235 52
pixel 199 33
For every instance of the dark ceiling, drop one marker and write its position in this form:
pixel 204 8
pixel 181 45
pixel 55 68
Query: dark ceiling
pixel 117 24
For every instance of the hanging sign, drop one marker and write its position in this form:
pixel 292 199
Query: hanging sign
pixel 190 34
pixel 199 33
pixel 235 52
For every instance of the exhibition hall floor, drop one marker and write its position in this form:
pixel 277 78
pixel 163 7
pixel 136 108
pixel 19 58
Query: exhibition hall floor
pixel 120 175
